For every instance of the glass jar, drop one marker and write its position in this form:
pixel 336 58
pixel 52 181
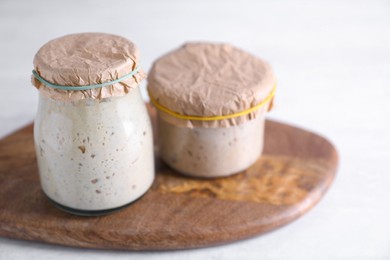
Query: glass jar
pixel 211 101
pixel 211 152
pixel 94 147
pixel 94 155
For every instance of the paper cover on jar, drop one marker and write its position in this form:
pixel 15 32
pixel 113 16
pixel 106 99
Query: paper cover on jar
pixel 205 79
pixel 87 59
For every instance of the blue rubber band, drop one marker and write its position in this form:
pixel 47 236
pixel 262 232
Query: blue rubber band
pixel 47 83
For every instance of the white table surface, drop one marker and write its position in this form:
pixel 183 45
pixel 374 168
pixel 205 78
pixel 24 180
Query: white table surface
pixel 332 60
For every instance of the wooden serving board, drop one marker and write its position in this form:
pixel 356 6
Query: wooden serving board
pixel 177 212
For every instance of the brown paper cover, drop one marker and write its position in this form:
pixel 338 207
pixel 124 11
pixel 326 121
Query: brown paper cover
pixel 87 59
pixel 207 79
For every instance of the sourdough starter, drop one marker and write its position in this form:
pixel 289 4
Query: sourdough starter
pixel 94 154
pixel 211 152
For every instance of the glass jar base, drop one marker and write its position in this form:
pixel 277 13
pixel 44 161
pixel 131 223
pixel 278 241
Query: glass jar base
pixel 211 174
pixel 89 213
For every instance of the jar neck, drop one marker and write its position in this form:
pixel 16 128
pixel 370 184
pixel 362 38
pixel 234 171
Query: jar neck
pixel 66 99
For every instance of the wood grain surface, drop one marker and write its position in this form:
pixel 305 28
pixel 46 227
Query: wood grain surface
pixel 177 212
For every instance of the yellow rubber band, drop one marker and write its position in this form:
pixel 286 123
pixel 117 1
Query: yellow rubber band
pixel 212 118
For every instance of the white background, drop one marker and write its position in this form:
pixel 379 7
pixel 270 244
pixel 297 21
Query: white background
pixel 332 61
